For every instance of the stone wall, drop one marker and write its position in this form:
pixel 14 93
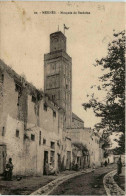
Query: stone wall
pixel 27 127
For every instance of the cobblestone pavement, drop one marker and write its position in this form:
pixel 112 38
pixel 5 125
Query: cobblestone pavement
pixel 47 189
pixel 66 183
pixel 111 186
pixel 85 184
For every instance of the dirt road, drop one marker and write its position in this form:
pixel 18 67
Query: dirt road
pixel 86 184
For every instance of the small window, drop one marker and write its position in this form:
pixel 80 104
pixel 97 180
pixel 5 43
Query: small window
pixel 45 107
pixel 18 100
pixel 66 86
pixel 54 114
pixel 39 137
pixel 3 131
pixel 2 77
pixel 52 145
pixel 33 99
pixel 32 137
pixel 53 97
pixel 58 143
pixel 44 141
pixel 17 133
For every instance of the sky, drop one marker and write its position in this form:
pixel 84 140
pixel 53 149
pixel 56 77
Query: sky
pixel 24 39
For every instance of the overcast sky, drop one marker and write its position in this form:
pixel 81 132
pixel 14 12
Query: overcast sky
pixel 24 38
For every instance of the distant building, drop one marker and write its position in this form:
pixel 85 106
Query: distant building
pixel 91 139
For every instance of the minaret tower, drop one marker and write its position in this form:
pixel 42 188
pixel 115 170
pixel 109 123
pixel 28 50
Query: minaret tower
pixel 58 74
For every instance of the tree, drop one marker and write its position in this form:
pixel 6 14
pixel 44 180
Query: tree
pixel 121 148
pixel 81 147
pixel 111 110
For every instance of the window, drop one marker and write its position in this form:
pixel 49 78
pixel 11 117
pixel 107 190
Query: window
pixel 33 99
pixel 2 77
pixel 58 143
pixel 3 131
pixel 52 144
pixel 32 137
pixel 18 100
pixel 53 97
pixel 45 106
pixel 54 114
pixel 39 137
pixel 44 141
pixel 17 133
pixel 66 86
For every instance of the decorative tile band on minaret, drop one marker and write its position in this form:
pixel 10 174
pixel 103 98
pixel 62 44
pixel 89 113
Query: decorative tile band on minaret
pixel 58 74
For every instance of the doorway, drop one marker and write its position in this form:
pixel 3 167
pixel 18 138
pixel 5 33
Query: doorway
pixel 2 158
pixel 59 162
pixel 45 162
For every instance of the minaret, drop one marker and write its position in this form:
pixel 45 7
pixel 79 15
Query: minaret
pixel 58 74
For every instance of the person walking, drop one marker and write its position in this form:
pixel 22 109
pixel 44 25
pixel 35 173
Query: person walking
pixel 119 166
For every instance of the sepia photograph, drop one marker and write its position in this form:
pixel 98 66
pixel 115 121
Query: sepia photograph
pixel 62 98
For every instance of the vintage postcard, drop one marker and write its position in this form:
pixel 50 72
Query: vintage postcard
pixel 62 98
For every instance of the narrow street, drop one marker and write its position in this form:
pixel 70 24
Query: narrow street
pixel 81 185
pixel 86 184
